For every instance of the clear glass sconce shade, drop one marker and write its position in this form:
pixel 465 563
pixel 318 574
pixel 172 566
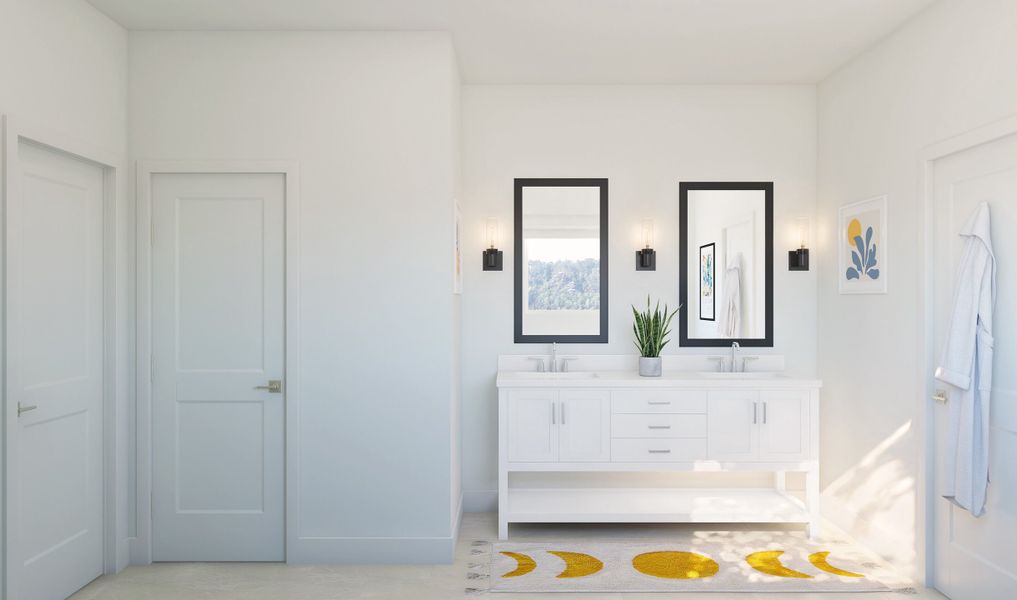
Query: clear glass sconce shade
pixel 800 232
pixel 491 232
pixel 646 233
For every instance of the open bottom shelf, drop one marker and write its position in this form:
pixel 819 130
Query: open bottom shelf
pixel 656 505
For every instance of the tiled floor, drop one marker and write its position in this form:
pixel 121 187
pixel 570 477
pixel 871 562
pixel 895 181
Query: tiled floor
pixel 238 581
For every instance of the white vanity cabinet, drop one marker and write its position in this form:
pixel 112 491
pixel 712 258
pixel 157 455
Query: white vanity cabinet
pixel 553 425
pixel 611 423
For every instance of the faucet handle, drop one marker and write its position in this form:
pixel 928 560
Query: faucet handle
pixel 720 362
pixel 540 362
pixel 745 362
pixel 565 363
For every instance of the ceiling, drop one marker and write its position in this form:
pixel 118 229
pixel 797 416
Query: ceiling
pixel 579 41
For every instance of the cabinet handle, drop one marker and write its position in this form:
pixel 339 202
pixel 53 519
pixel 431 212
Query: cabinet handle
pixel 651 402
pixel 659 451
pixel 764 413
pixel 554 417
pixel 658 427
pixel 562 413
pixel 755 405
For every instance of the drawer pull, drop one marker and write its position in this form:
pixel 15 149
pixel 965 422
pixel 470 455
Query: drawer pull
pixel 653 403
pixel 659 451
pixel 658 427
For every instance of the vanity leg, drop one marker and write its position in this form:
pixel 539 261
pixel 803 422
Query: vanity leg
pixel 812 500
pixel 780 481
pixel 503 507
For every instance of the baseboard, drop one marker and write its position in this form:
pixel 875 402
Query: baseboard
pixel 479 501
pixel 371 551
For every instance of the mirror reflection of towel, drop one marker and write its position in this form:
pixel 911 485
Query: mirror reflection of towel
pixel 730 320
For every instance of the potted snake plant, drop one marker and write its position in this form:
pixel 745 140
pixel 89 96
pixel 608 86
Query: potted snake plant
pixel 651 329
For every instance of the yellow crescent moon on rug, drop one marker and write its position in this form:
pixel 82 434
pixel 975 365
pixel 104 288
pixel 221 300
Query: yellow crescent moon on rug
pixel 577 564
pixel 818 560
pixel 524 564
pixel 676 565
pixel 768 562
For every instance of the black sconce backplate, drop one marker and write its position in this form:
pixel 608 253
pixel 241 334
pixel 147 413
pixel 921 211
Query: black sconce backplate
pixel 646 259
pixel 798 260
pixel 493 259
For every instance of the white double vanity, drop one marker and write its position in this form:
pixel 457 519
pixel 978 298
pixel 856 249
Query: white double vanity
pixel 608 424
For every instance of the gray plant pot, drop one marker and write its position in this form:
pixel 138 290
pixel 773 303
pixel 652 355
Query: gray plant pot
pixel 649 367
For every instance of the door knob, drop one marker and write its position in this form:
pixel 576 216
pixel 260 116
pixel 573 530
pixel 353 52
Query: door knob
pixel 940 396
pixel 274 386
pixel 24 409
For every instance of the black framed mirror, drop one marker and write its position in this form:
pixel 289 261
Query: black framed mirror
pixel 561 261
pixel 726 260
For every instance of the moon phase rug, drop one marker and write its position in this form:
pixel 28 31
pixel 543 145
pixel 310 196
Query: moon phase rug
pixel 722 561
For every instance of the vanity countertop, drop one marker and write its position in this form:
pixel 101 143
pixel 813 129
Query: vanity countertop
pixel 674 379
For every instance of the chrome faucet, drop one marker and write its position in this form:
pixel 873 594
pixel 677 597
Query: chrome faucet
pixel 735 346
pixel 554 357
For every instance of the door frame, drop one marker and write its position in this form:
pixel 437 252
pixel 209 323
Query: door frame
pixel 141 545
pixel 114 405
pixel 926 484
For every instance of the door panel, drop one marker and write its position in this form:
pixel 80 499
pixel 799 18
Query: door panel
pixel 55 364
pixel 976 558
pixel 732 418
pixel 585 425
pixel 532 426
pixel 217 305
pixel 784 430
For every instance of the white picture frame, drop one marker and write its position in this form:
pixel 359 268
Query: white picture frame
pixel 862 266
pixel 457 250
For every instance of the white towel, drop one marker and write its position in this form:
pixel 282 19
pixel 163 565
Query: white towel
pixel 967 366
pixel 730 320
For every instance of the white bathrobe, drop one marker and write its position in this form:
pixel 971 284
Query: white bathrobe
pixel 730 324
pixel 967 366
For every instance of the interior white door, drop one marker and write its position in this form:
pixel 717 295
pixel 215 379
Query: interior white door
pixel 54 373
pixel 585 425
pixel 218 339
pixel 732 431
pixel 533 426
pixel 783 425
pixel 976 558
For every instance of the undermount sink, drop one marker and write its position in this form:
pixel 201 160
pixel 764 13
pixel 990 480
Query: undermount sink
pixel 565 375
pixel 745 375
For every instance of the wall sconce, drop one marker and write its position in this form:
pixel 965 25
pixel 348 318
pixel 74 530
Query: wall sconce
pixel 492 256
pixel 646 259
pixel 798 260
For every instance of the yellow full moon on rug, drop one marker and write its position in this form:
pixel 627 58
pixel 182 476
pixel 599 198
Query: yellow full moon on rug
pixel 854 230
pixel 676 565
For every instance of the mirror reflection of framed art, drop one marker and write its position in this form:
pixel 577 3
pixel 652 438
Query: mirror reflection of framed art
pixel 707 286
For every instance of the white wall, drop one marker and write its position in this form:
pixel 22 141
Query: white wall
pixel 644 139
pixel 372 120
pixel 946 72
pixel 63 69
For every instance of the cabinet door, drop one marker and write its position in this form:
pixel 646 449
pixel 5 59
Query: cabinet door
pixel 532 426
pixel 732 431
pixel 584 425
pixel 783 425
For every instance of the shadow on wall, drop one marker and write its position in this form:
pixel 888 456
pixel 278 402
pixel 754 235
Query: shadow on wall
pixel 879 494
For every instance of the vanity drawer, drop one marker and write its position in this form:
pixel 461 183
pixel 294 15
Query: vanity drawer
pixel 662 401
pixel 664 450
pixel 658 426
